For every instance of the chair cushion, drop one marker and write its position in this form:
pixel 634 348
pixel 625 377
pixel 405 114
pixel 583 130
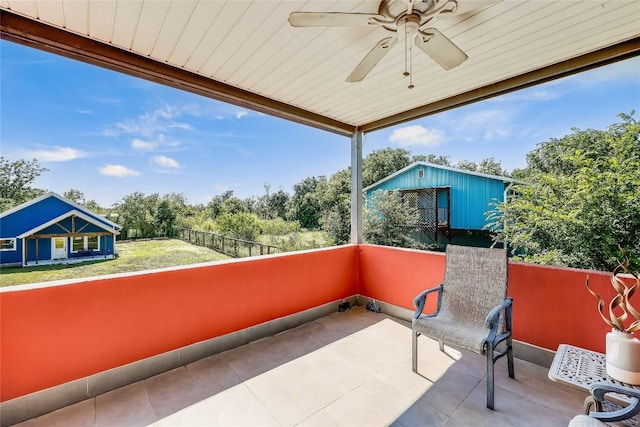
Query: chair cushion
pixel 475 281
pixel 585 421
pixel 470 336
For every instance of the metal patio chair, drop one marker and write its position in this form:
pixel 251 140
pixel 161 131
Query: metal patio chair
pixel 627 415
pixel 473 310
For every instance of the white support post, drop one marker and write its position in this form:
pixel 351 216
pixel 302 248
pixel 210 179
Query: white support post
pixel 356 187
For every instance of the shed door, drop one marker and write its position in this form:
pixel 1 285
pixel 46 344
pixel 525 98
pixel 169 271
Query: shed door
pixel 58 248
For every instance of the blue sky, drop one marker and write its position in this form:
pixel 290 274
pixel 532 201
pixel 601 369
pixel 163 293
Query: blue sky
pixel 108 135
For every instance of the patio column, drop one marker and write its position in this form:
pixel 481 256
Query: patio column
pixel 24 251
pixel 356 187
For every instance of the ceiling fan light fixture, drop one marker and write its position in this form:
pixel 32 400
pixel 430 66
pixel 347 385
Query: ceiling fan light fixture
pixel 409 20
pixel 409 25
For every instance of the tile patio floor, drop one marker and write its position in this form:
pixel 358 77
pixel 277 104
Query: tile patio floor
pixel 351 369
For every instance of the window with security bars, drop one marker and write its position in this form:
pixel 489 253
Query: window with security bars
pixel 425 201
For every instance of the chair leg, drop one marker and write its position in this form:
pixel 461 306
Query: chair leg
pixel 414 350
pixel 510 358
pixel 490 370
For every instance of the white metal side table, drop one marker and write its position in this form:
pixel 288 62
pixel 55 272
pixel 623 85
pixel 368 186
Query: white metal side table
pixel 579 368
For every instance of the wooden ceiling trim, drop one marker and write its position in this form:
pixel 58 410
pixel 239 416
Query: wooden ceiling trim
pixel 618 52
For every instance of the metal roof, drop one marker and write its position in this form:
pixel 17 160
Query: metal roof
pixel 504 179
pixel 73 212
pixel 246 52
pixel 74 205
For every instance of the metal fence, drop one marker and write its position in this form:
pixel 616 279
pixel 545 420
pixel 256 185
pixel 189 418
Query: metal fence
pixel 236 248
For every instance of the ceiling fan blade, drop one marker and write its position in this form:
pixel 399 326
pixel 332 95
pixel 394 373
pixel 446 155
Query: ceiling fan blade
pixel 440 49
pixel 466 6
pixel 373 57
pixel 333 19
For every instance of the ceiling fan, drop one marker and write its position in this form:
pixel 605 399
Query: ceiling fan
pixel 407 20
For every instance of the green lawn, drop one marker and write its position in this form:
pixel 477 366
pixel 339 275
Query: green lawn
pixel 297 241
pixel 132 256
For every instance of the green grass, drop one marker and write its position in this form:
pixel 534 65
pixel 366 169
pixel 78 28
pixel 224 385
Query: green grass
pixel 132 256
pixel 297 241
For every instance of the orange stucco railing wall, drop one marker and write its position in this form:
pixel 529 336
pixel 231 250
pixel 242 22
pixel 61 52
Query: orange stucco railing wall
pixel 551 305
pixel 52 335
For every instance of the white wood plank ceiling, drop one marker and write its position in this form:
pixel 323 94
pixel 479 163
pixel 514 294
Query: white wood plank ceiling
pixel 251 46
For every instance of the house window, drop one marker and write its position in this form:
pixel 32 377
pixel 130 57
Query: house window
pixel 8 244
pixel 78 244
pixel 420 173
pixel 91 243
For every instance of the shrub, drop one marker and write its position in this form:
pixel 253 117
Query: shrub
pixel 239 225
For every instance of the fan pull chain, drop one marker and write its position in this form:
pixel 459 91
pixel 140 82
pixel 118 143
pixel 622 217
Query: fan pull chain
pixel 411 86
pixel 406 60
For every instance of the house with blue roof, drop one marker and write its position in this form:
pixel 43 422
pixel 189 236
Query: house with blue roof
pixel 51 229
pixel 451 202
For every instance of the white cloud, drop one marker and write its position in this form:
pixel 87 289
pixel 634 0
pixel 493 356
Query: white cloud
pixel 151 123
pixel 490 123
pixel 166 112
pixel 57 154
pixel 479 125
pixel 118 171
pixel 241 114
pixel 166 162
pixel 139 144
pixel 417 135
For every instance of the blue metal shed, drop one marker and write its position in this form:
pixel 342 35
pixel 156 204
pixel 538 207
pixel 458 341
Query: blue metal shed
pixel 51 229
pixel 449 200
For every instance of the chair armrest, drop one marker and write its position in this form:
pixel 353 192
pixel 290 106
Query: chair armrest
pixel 420 300
pixel 598 391
pixel 493 315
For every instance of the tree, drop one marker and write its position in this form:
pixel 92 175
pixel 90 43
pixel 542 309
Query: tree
pixel 16 180
pixel 165 218
pixel 240 225
pixel 74 195
pixel 278 203
pixel 137 215
pixel 492 167
pixel 467 165
pixel 382 163
pixel 180 208
pixel 336 222
pixel 432 158
pixel 215 206
pixel 335 204
pixel 334 195
pixel 389 221
pixel 93 206
pixel 582 203
pixel 78 197
pixel 305 206
pixel 234 205
pixel 271 206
